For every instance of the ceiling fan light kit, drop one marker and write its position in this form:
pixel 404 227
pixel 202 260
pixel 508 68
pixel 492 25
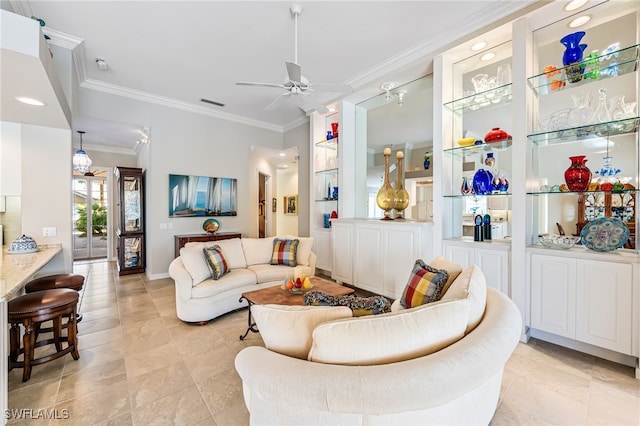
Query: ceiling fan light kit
pixel 297 87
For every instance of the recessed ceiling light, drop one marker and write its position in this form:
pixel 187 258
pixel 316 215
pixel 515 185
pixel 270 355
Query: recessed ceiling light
pixel 478 46
pixel 575 4
pixel 580 20
pixel 487 56
pixel 29 101
pixel 282 154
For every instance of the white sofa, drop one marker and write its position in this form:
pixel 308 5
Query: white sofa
pixel 199 298
pixel 457 384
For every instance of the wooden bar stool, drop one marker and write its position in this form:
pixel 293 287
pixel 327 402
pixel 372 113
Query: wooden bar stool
pixel 31 310
pixel 50 282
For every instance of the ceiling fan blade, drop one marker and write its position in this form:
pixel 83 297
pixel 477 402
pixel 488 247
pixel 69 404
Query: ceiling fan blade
pixel 313 105
pixel 277 101
pixel 330 87
pixel 250 83
pixel 295 71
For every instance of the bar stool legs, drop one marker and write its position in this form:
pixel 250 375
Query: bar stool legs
pixel 29 311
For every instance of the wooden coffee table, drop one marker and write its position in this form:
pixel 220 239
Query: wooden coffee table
pixel 277 296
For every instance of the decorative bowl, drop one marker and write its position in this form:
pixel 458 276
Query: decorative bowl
pixel 466 141
pixel 496 134
pixel 210 226
pixel 295 290
pixel 561 242
pixel 23 245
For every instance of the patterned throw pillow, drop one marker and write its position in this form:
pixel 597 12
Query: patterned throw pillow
pixel 284 252
pixel 215 261
pixel 424 286
pixel 360 306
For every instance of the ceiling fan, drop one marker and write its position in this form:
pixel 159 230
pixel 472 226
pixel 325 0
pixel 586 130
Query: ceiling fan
pixel 296 86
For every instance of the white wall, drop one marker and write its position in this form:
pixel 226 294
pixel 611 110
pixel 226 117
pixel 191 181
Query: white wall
pixel 185 143
pixel 46 189
pixel 287 186
pixel 299 137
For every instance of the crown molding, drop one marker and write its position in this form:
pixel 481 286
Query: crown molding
pixel 108 149
pixel 139 95
pixel 295 123
pixel 21 7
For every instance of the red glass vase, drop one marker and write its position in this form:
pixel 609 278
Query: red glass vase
pixel 578 175
pixel 334 129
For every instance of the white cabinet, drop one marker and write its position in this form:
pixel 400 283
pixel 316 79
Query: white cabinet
pixel 589 301
pixel 492 258
pixel 553 294
pixel 322 249
pixel 604 304
pixel 377 255
pixel 342 241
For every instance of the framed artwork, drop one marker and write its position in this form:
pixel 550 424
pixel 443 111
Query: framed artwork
pixel 202 196
pixel 291 205
pixel 274 205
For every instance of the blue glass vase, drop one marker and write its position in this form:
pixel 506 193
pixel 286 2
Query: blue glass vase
pixel 482 182
pixel 573 48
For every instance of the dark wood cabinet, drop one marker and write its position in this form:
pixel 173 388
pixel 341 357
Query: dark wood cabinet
pixel 130 233
pixel 181 240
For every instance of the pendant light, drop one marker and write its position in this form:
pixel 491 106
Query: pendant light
pixel 81 161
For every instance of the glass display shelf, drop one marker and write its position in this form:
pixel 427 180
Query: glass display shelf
pixel 597 130
pixel 329 144
pixel 496 194
pixel 622 192
pixel 461 151
pixel 497 96
pixel 327 172
pixel 612 64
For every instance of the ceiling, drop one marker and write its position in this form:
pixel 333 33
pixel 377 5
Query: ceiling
pixel 178 52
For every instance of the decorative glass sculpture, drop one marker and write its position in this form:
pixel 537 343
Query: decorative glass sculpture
pixel 401 195
pixel 386 195
pixel 578 175
pixel 572 56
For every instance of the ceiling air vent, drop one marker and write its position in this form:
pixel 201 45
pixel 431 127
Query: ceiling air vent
pixel 207 101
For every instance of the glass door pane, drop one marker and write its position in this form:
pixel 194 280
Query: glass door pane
pixel 90 217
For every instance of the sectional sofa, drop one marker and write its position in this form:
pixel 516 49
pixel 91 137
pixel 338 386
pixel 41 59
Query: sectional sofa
pixel 200 298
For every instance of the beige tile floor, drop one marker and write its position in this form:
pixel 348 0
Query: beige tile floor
pixel 140 365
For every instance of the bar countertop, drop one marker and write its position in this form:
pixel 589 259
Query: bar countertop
pixel 17 269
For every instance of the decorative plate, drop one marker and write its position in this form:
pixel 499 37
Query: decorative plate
pixel 604 234
pixel 211 226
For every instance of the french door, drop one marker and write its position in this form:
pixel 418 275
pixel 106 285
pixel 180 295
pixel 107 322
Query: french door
pixel 90 217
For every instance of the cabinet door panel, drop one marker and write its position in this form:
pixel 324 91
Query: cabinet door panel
pixel 553 295
pixel 604 295
pixel 495 266
pixel 461 255
pixel 400 251
pixel 342 237
pixel 322 249
pixel 368 265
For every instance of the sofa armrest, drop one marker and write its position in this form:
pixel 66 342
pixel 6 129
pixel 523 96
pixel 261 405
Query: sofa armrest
pixel 415 384
pixel 182 278
pixel 312 263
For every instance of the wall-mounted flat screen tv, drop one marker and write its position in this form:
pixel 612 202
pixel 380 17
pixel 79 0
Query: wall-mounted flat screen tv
pixel 202 196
